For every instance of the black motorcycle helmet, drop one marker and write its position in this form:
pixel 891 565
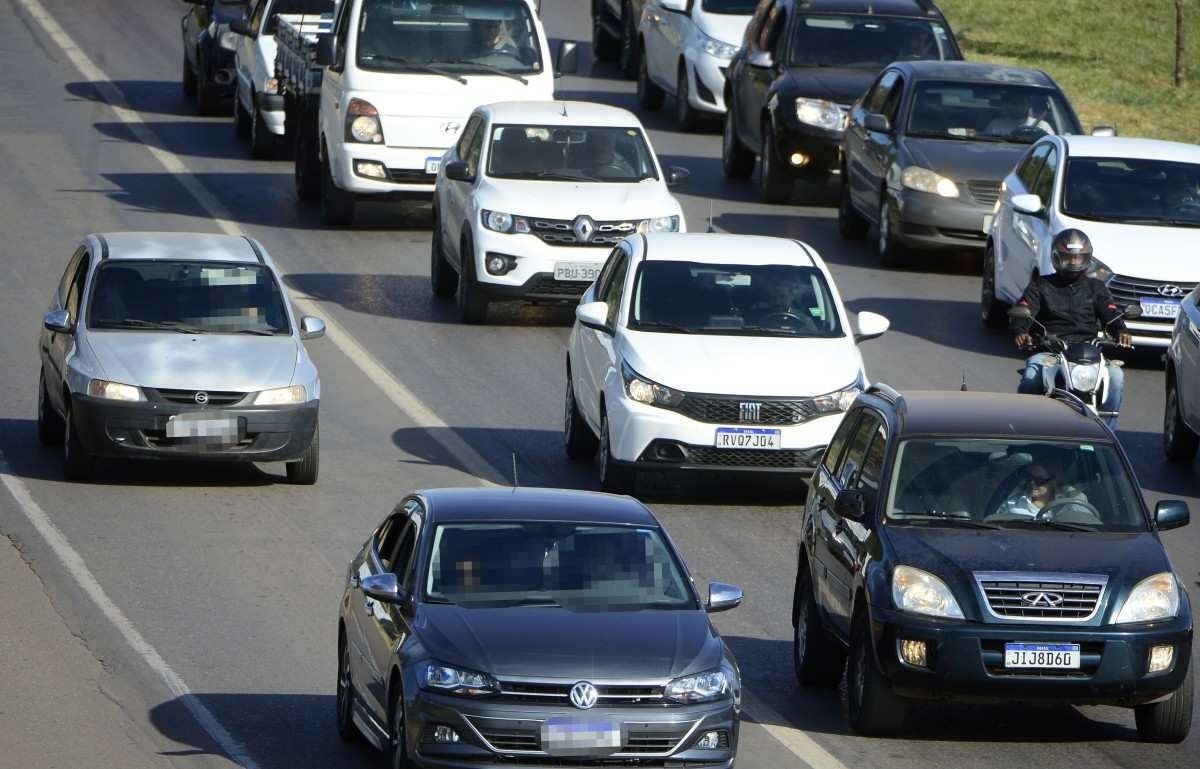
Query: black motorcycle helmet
pixel 1070 253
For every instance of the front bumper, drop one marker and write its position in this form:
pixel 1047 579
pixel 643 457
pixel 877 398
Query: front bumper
pixel 821 148
pixel 967 662
pixel 122 429
pixel 706 91
pixel 932 222
pixel 271 109
pixel 405 167
pixel 532 262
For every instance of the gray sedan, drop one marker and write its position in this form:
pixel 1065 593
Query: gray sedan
pixel 177 346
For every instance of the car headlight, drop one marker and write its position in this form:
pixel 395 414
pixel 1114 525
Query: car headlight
pixel 1099 270
pixel 1084 378
pixel 838 400
pixel 820 113
pixel 924 180
pixel 281 396
pixel 643 390
pixel 467 683
pixel 362 123
pixel 1153 598
pixel 228 40
pixel 501 222
pixel 114 391
pixel 717 48
pixel 659 224
pixel 920 592
pixel 701 687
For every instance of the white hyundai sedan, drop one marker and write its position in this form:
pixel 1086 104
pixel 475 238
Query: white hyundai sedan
pixel 710 352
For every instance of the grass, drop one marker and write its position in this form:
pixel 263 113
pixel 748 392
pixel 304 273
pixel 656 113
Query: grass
pixel 1114 58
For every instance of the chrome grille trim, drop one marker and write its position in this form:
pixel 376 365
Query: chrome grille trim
pixel 559 693
pixel 660 732
pixel 1082 595
pixel 984 191
pixel 725 409
pixel 188 397
pixel 1127 290
pixel 559 232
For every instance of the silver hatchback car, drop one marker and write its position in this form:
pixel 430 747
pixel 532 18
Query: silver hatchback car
pixel 177 346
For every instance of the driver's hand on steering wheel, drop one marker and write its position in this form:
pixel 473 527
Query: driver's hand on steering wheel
pixel 1024 341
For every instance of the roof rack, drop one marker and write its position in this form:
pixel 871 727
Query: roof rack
pixel 889 394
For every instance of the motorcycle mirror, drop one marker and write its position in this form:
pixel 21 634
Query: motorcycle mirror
pixel 1020 312
pixel 1133 311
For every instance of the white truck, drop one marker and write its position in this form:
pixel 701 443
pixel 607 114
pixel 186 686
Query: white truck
pixel 381 89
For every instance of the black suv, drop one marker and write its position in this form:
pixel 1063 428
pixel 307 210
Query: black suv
pixel 988 548
pixel 801 65
pixel 208 45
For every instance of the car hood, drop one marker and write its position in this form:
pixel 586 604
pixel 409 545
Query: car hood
pixel 566 200
pixel 562 643
pixel 174 361
pixel 725 27
pixel 964 160
pixel 744 365
pixel 1166 254
pixel 839 85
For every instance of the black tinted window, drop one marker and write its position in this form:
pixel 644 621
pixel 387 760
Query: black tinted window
pixel 733 7
pixel 570 154
pixel 868 42
pixel 1120 189
pixel 988 111
pixel 1028 170
pixel 856 454
pixel 834 451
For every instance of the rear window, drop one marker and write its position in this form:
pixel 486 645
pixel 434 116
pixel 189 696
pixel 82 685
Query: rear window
pixel 867 42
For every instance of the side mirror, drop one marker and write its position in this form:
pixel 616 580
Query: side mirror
pixel 1104 130
pixel 1020 312
pixel 761 59
pixel 594 315
pixel 852 504
pixel 58 321
pixel 722 597
pixel 677 176
pixel 240 26
pixel 383 587
pixel 311 327
pixel 326 50
pixel 1133 311
pixel 567 61
pixel 1027 204
pixel 679 6
pixel 871 325
pixel 878 123
pixel 1171 514
pixel 459 171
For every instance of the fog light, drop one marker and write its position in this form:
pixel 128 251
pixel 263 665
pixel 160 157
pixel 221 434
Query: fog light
pixel 444 734
pixel 712 741
pixel 1161 657
pixel 370 169
pixel 496 264
pixel 913 652
pixel 799 159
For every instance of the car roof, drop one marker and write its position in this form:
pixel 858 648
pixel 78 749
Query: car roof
pixel 534 504
pixel 564 113
pixel 878 7
pixel 966 414
pixel 974 72
pixel 1130 147
pixel 724 248
pixel 196 247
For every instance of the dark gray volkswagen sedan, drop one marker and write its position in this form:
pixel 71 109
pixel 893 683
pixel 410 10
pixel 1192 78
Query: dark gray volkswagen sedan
pixel 530 627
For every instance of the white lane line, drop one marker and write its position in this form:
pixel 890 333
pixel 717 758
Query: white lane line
pixel 795 740
pixel 73 562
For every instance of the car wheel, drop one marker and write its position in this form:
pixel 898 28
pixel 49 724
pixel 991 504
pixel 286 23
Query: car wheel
pixel 306 171
pixel 1179 442
pixel 77 460
pixel 337 205
pixel 346 728
pixel 398 742
pixel 818 660
pixel 303 471
pixel 873 708
pixel 774 181
pixel 605 47
pixel 241 118
pixel 442 276
pixel 991 310
pixel 629 57
pixel 188 79
pixel 851 224
pixel 580 442
pixel 649 95
pixel 264 145
pixel 472 303
pixel 50 425
pixel 737 162
pixel 1169 720
pixel 891 253
pixel 687 117
pixel 614 478
pixel 209 100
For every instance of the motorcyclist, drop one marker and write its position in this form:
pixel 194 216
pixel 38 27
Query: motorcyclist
pixel 1073 307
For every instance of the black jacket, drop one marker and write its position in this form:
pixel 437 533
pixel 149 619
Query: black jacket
pixel 1074 309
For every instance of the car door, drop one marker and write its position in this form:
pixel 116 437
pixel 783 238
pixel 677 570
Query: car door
pixel 596 345
pixel 1186 342
pixel 460 195
pixel 854 142
pixel 820 507
pixel 758 69
pixel 333 79
pixel 246 54
pixel 654 22
pixel 55 346
pixel 674 28
pixel 1041 226
pixel 877 148
pixel 1016 252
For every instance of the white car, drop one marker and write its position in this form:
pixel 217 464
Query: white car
pixel 534 196
pixel 1138 201
pixel 710 352
pixel 685 49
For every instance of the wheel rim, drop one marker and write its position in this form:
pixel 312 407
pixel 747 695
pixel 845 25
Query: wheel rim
pixel 398 757
pixel 1171 414
pixel 569 410
pixel 767 163
pixel 682 96
pixel 884 234
pixel 988 295
pixel 801 632
pixel 727 136
pixel 604 451
pixel 343 687
pixel 860 675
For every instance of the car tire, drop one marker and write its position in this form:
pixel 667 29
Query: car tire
pixel 306 171
pixel 817 658
pixel 50 425
pixel 241 118
pixel 737 162
pixel 649 95
pixel 303 471
pixel 891 253
pixel 614 478
pixel 398 740
pixel 264 145
pixel 472 302
pixel 1169 720
pixel 992 311
pixel 337 205
pixel 578 439
pixel 605 47
pixel 1179 442
pixel 188 79
pixel 442 277
pixel 630 56
pixel 344 703
pixel 851 224
pixel 77 460
pixel 774 181
pixel 209 100
pixel 687 117
pixel 872 707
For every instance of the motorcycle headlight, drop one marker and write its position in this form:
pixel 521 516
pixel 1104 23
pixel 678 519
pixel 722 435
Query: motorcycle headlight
pixel 497 221
pixel 924 180
pixel 228 40
pixel 362 123
pixel 820 113
pixel 659 224
pixel 467 683
pixel 702 687
pixel 716 48
pixel 1084 378
pixel 645 391
pixel 838 400
pixel 1155 597
pixel 1098 270
pixel 114 391
pixel 281 396
pixel 920 592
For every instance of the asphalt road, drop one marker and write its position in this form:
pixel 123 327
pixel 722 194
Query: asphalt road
pixel 230 578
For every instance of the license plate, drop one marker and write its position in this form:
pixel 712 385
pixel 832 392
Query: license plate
pixel 432 165
pixel 1060 656
pixel 1159 308
pixel 577 270
pixel 572 736
pixel 204 428
pixel 747 438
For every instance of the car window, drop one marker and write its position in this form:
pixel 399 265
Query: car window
pixel 64 285
pixel 856 452
pixel 606 272
pixel 866 41
pixel 295 6
pixel 1027 171
pixel 401 558
pixel 891 105
pixel 341 34
pixel 1044 186
pixel 75 292
pixel 474 148
pixel 615 289
pixel 996 112
pixel 468 135
pixel 256 17
pixel 879 94
pixel 1121 189
pixel 754 28
pixel 769 27
pixel 833 452
pixel 570 154
pixel 871 471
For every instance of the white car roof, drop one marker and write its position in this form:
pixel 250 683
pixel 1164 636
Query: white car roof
pixel 180 245
pixel 1130 147
pixel 723 248
pixel 577 113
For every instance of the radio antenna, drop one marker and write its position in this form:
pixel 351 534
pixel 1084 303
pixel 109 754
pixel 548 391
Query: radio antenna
pixel 516 483
pixel 710 227
pixel 963 387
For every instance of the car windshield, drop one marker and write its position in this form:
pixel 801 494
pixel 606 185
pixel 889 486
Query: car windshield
pixel 574 154
pixel 738 299
pixel 867 42
pixel 296 6
pixel 572 565
pixel 730 7
pixel 455 36
pixel 195 297
pixel 988 112
pixel 1130 190
pixel 1007 483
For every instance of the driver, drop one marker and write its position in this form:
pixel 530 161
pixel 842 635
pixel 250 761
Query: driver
pixel 1017 111
pixel 1183 193
pixel 1044 488
pixel 605 161
pixel 785 295
pixel 496 36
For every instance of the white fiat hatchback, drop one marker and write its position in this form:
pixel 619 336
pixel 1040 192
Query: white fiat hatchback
pixel 711 352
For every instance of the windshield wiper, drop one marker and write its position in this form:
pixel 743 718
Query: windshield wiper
pixel 566 176
pixel 256 332
pixel 938 517
pixel 488 68
pixel 419 66
pixel 663 324
pixel 1052 524
pixel 164 325
pixel 1165 222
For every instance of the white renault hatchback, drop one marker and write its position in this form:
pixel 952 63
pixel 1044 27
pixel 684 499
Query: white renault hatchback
pixel 535 195
pixel 712 352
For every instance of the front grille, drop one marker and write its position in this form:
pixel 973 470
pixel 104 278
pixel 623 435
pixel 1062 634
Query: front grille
pixel 984 191
pixel 548 286
pixel 649 739
pixel 214 398
pixel 1042 597
pixel 978 235
pixel 783 459
pixel 715 409
pixel 561 232
pixel 512 739
pixel 410 176
pixel 554 693
pixel 1090 654
pixel 1127 290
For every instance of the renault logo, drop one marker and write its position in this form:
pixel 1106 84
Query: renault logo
pixel 584 695
pixel 584 228
pixel 201 397
pixel 1045 600
pixel 750 412
pixel 1170 291
pixel 451 128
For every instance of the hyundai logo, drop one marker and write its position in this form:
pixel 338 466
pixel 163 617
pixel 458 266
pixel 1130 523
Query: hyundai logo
pixel 1170 291
pixel 201 397
pixel 584 228
pixel 584 695
pixel 1044 600
pixel 451 128
pixel 749 411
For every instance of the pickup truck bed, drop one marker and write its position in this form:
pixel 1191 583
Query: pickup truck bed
pixel 296 65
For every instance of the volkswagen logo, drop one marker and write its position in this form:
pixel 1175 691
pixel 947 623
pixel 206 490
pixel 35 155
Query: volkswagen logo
pixel 1044 600
pixel 584 228
pixel 584 695
pixel 451 128
pixel 1170 291
pixel 750 412
pixel 201 397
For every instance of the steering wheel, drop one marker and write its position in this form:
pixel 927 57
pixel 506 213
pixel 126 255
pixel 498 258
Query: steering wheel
pixel 1045 514
pixel 785 315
